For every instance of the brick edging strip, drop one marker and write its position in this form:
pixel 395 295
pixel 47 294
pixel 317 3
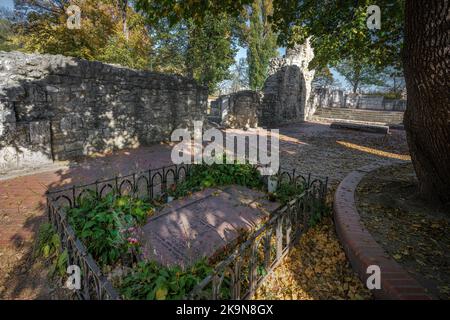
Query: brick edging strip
pixel 362 250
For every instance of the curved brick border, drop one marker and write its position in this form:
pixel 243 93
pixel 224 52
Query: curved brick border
pixel 362 249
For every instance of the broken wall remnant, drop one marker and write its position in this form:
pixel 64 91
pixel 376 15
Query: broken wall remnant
pixel 328 98
pixel 287 89
pixel 239 110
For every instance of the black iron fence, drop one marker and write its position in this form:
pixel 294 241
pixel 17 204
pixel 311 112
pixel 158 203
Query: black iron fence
pixel 236 277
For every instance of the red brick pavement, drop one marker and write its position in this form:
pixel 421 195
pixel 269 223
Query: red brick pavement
pixel 22 199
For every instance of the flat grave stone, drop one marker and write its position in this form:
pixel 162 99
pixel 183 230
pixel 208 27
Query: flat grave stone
pixel 199 225
pixel 360 127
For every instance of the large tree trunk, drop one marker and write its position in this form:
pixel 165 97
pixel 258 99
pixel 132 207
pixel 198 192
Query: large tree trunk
pixel 426 59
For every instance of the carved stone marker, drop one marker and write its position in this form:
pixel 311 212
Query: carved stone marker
pixel 360 127
pixel 199 226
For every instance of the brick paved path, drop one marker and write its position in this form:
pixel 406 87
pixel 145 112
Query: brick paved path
pixel 309 147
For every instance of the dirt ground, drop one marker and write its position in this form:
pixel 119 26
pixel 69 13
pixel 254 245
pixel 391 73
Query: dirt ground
pixel 412 231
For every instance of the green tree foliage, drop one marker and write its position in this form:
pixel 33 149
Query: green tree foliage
pixel 195 10
pixel 6 33
pixel 101 36
pixel 211 50
pixel 359 74
pixel 338 27
pixel 169 47
pixel 239 78
pixel 203 51
pixel 260 40
pixel 113 32
pixel 323 78
pixel 339 30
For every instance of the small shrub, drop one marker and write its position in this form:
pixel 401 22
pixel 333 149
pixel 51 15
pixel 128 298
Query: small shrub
pixel 207 176
pixel 49 248
pixel 287 191
pixel 320 211
pixel 48 242
pixel 151 281
pixel 100 224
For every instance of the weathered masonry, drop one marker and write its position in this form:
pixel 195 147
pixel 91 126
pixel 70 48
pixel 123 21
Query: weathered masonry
pixel 283 99
pixel 56 108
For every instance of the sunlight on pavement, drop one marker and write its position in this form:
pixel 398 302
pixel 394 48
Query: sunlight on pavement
pixel 377 152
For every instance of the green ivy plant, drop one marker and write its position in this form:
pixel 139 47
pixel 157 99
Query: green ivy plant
pixel 102 223
pixel 48 247
pixel 215 175
pixel 287 191
pixel 152 281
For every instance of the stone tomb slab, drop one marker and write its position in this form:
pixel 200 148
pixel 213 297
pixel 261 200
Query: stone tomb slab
pixel 198 226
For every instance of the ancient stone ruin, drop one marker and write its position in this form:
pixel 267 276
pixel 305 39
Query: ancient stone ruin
pixel 327 98
pixel 288 87
pixel 284 97
pixel 56 108
pixel 60 108
pixel 239 110
pixel 288 96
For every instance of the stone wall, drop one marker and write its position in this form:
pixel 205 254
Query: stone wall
pixel 56 107
pixel 287 89
pixel 326 98
pixel 238 110
pixel 284 97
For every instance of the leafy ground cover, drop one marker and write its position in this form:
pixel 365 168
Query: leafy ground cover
pixel 413 232
pixel 316 268
pixel 107 226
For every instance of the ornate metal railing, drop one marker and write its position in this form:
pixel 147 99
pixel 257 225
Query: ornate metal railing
pixel 242 271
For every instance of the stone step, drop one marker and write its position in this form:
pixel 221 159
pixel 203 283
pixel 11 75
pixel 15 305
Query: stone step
pixel 359 115
pixel 382 117
pixel 396 126
pixel 360 111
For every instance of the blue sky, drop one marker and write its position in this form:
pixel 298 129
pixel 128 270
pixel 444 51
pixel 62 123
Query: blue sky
pixel 7 3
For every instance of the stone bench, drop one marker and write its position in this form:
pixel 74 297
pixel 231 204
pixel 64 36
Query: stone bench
pixel 360 127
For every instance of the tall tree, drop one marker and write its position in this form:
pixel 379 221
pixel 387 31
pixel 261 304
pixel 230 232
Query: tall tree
pixel 338 30
pixel 427 117
pixel 176 11
pixel 240 79
pixel 260 40
pixel 201 49
pixel 169 47
pixel 394 84
pixel 100 37
pixel 211 50
pixel 323 78
pixel 6 30
pixel 359 74
pixel 123 7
